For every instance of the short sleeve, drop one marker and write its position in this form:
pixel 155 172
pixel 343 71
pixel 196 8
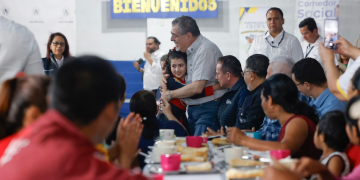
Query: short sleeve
pixel 205 65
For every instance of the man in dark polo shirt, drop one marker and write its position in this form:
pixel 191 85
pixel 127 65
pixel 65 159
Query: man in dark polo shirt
pixel 251 114
pixel 229 75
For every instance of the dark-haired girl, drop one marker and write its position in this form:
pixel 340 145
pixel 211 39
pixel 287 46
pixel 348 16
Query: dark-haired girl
pixel 143 102
pixel 279 100
pixel 175 65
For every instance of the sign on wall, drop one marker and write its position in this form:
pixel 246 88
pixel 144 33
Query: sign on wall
pixel 139 9
pixel 317 9
pixel 252 21
pixel 43 17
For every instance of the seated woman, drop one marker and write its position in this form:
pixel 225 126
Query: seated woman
pixel 143 102
pixel 57 52
pixel 22 100
pixel 175 65
pixel 298 120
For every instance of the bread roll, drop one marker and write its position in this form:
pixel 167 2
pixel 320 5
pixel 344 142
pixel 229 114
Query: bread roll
pixel 199 167
pixel 220 141
pixel 238 174
pixel 243 162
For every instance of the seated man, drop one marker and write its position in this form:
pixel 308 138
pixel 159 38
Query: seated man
pixel 251 114
pixel 271 127
pixel 310 79
pixel 84 109
pixel 228 73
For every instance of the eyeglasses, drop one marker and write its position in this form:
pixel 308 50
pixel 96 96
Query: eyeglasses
pixel 243 73
pixel 176 36
pixel 57 44
pixel 300 83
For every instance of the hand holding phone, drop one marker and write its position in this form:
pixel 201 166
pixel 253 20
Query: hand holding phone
pixel 331 33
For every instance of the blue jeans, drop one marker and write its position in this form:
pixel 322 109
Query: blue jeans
pixel 202 116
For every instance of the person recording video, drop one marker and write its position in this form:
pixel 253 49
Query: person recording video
pixel 152 71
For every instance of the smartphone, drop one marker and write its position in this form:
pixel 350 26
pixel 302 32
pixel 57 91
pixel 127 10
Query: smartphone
pixel 158 103
pixel 331 33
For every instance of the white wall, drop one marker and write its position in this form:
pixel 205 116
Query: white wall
pixel 120 39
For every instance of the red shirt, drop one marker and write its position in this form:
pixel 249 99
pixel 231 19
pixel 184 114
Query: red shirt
pixel 54 148
pixel 353 155
pixel 5 142
pixel 308 147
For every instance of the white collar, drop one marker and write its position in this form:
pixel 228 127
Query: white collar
pixel 62 58
pixel 316 43
pixel 278 36
pixel 155 53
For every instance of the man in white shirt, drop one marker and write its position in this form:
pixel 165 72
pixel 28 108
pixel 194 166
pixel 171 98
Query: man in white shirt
pixel 310 45
pixel 152 69
pixel 19 51
pixel 276 42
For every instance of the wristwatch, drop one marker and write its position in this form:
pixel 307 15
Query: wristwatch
pixel 169 96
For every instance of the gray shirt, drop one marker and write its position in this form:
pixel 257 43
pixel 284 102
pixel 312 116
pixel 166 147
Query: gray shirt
pixel 202 58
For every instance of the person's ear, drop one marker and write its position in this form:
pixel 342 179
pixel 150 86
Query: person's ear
pixel 308 85
pixel 30 115
pixel 228 75
pixel 270 101
pixel 252 75
pixel 283 21
pixel 322 137
pixel 123 100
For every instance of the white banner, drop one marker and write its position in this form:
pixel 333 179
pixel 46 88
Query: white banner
pixel 252 21
pixel 43 17
pixel 317 9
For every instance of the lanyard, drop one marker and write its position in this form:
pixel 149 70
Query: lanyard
pixel 307 53
pixel 282 38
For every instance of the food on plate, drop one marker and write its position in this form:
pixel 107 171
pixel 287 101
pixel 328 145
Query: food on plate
pixel 244 162
pixel 189 154
pixel 180 141
pixel 238 174
pixel 193 151
pixel 199 167
pixel 192 158
pixel 220 141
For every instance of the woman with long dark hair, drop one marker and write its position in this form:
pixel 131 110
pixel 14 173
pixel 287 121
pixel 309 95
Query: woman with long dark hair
pixel 57 51
pixel 143 102
pixel 22 100
pixel 298 120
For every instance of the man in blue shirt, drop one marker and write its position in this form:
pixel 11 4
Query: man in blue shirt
pixel 310 79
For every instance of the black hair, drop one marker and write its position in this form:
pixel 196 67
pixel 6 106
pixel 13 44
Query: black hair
pixel 352 121
pixel 355 80
pixel 309 70
pixel 283 91
pixel 144 103
pixel 156 41
pixel 18 94
pixel 173 54
pixel 230 64
pixel 276 9
pixel 84 86
pixel 332 125
pixel 310 23
pixel 186 24
pixel 258 63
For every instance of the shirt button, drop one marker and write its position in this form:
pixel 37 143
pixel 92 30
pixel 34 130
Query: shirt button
pixel 190 64
pixel 192 49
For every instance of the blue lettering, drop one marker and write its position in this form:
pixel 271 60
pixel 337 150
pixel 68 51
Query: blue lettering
pixel 316 15
pixel 301 3
pixel 307 14
pixel 300 13
pixel 327 12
